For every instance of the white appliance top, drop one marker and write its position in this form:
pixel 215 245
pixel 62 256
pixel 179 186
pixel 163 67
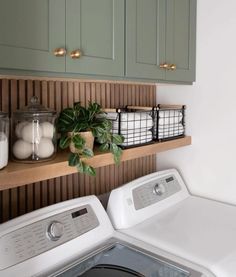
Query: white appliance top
pixel 162 213
pixel 76 236
pixel 36 242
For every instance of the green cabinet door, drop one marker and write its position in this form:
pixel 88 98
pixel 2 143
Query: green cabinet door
pixel 96 29
pixel 30 30
pixel 161 32
pixel 181 39
pixel 145 38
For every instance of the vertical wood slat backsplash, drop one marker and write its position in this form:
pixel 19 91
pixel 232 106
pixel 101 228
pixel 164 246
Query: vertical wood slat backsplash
pixel 14 94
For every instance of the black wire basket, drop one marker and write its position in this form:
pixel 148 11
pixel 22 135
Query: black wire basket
pixel 169 122
pixel 134 124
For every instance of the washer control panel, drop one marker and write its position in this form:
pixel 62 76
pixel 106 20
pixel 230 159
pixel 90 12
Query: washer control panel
pixel 155 191
pixel 41 236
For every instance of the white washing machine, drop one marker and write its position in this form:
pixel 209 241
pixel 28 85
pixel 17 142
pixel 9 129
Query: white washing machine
pixel 158 210
pixel 76 238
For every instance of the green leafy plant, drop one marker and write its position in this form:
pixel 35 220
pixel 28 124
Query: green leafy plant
pixel 73 121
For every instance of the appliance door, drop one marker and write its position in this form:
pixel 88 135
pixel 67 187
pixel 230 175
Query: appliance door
pixel 121 261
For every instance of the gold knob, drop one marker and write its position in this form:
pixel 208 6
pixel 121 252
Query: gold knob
pixel 171 67
pixel 76 54
pixel 60 52
pixel 164 65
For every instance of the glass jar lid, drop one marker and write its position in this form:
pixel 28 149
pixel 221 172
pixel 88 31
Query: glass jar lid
pixel 3 115
pixel 35 109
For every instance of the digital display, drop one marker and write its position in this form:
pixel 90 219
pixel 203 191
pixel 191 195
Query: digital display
pixel 79 213
pixel 169 179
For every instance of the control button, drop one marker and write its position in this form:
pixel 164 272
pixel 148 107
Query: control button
pixel 158 189
pixel 55 230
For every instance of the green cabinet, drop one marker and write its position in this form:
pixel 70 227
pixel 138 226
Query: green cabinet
pixel 145 38
pixel 130 39
pixel 29 32
pixel 181 39
pixel 160 39
pixel 96 29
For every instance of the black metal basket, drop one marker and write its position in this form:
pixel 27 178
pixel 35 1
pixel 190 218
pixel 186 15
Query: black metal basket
pixel 169 122
pixel 135 125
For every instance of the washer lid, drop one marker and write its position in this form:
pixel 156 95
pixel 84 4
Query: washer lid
pixel 110 270
pixel 197 229
pixel 122 261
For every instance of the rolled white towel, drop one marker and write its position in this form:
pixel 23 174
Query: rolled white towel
pixel 134 132
pixel 169 117
pixel 131 120
pixel 173 127
pixel 166 132
pixel 166 127
pixel 135 138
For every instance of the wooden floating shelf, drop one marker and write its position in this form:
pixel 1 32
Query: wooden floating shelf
pixel 19 174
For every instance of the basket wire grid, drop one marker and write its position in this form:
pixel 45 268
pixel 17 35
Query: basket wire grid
pixel 135 126
pixel 144 125
pixel 169 122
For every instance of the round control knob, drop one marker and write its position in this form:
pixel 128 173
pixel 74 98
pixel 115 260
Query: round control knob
pixel 55 230
pixel 158 189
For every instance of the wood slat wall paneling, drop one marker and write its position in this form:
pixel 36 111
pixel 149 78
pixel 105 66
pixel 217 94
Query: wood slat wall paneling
pixel 57 95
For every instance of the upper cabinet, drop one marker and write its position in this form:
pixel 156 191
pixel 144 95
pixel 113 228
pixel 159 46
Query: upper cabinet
pixel 180 40
pixel 130 39
pixel 95 37
pixel 145 38
pixel 29 31
pixel 160 39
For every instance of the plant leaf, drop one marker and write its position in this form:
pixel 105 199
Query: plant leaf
pixel 87 152
pixel 104 147
pixel 81 126
pixel 64 142
pixel 73 159
pixel 80 167
pixel 117 139
pixel 89 170
pixel 102 138
pixel 99 131
pixel 117 152
pixel 78 141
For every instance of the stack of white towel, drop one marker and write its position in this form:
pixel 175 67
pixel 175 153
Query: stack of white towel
pixel 169 124
pixel 134 126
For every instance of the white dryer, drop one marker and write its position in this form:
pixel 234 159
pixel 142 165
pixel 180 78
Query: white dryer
pixel 158 210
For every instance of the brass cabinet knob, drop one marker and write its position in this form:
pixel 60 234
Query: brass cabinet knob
pixel 76 54
pixel 164 65
pixel 172 67
pixel 167 66
pixel 60 52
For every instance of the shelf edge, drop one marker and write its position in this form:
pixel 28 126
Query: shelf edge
pixel 57 169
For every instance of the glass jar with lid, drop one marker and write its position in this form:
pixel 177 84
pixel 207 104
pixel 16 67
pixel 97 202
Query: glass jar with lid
pixel 4 135
pixel 33 133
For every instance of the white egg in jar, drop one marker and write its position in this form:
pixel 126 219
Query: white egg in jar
pixel 32 132
pixel 47 129
pixel 22 149
pixel 45 148
pixel 19 127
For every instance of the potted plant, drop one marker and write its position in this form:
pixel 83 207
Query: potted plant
pixel 79 126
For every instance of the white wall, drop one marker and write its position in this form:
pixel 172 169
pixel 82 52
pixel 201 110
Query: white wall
pixel 209 165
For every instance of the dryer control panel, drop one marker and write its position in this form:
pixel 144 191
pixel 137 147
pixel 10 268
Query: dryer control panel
pixel 155 191
pixel 145 197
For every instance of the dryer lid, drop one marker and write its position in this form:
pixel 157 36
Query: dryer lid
pixel 199 230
